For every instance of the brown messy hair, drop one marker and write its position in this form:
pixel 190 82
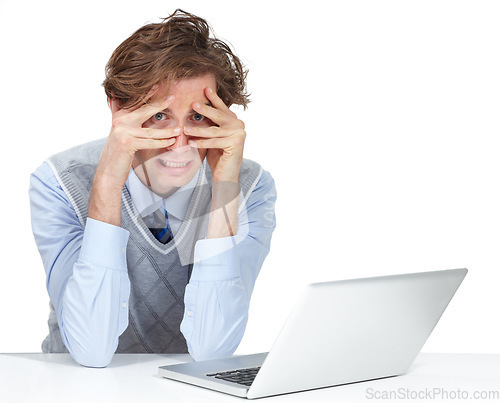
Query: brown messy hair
pixel 179 47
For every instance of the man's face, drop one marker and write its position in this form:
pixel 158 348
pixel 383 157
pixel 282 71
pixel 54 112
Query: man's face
pixel 175 166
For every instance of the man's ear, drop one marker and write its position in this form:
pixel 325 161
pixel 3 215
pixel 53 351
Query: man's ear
pixel 115 104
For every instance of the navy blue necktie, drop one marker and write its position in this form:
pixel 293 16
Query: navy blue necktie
pixel 157 223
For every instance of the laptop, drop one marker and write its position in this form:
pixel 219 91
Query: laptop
pixel 339 332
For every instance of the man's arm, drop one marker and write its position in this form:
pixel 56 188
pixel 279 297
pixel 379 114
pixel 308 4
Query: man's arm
pixel 225 270
pixel 86 271
pixel 228 261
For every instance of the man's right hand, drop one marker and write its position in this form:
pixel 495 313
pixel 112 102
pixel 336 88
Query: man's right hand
pixel 126 137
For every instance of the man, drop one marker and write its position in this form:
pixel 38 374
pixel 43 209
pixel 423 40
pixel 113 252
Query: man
pixel 152 239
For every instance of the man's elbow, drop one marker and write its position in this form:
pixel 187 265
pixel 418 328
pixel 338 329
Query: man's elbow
pixel 90 353
pixel 212 348
pixel 93 359
pixel 208 353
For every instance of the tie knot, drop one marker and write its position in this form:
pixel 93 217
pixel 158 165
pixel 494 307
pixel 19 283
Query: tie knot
pixel 157 223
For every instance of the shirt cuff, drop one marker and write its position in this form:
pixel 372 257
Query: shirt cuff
pixel 216 259
pixel 104 245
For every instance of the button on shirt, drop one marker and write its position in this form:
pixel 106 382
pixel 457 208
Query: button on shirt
pixel 86 268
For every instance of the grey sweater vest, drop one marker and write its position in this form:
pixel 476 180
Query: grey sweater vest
pixel 158 273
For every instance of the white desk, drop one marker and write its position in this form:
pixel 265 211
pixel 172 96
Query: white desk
pixel 54 378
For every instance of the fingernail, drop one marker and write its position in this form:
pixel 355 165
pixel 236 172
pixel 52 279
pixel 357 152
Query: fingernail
pixel 192 143
pixel 187 129
pixel 170 98
pixel 197 104
pixel 210 90
pixel 177 130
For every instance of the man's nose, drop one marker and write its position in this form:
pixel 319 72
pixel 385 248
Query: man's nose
pixel 181 141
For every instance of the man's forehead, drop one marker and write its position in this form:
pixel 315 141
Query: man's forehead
pixel 191 110
pixel 197 83
pixel 186 91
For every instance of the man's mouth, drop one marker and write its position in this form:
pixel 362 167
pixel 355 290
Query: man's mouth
pixel 172 164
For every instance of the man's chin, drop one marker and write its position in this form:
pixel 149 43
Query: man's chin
pixel 165 192
pixel 165 183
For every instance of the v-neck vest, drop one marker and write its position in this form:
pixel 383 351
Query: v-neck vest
pixel 158 272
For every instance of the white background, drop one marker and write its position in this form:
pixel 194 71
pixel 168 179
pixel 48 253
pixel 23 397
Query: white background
pixel 379 121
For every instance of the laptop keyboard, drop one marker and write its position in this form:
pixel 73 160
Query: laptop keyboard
pixel 242 376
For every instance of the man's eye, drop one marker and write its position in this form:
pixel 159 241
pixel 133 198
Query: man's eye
pixel 198 117
pixel 159 116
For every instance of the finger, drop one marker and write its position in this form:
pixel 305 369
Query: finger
pixel 150 133
pixel 151 144
pixel 215 115
pixel 124 132
pixel 211 132
pixel 223 143
pixel 215 100
pixel 137 116
pixel 152 91
pixel 149 109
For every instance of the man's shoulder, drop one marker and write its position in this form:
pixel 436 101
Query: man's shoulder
pixel 82 154
pixel 258 179
pixel 250 167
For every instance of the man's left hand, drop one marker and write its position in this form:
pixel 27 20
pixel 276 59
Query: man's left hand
pixel 224 142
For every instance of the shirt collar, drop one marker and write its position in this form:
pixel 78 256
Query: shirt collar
pixel 146 201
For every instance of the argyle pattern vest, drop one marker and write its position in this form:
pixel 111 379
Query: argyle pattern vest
pixel 158 272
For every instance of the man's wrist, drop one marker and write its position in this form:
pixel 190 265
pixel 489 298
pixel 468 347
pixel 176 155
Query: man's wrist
pixel 105 201
pixel 223 220
pixel 224 192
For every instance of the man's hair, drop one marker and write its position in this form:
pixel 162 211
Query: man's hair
pixel 177 48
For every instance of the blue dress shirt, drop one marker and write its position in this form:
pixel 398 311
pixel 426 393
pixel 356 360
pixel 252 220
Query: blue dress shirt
pixel 86 268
